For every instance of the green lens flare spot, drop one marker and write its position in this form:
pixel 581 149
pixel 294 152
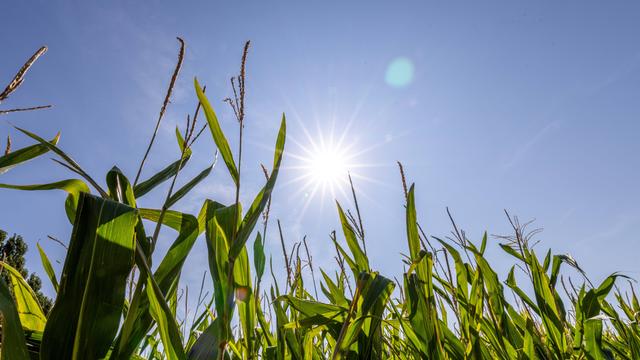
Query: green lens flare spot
pixel 399 72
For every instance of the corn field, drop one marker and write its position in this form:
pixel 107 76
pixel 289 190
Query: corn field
pixel 112 302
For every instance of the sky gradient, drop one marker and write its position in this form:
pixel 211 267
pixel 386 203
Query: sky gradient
pixel 533 108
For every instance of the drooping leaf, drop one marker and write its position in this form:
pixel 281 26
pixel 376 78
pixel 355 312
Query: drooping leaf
pixel 71 163
pixel 25 154
pixel 72 186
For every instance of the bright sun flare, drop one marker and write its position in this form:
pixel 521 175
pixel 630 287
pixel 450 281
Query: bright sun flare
pixel 323 163
pixel 324 168
pixel 327 158
pixel 327 166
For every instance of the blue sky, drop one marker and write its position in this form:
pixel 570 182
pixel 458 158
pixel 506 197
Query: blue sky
pixel 527 107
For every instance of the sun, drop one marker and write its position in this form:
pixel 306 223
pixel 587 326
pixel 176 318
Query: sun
pixel 330 152
pixel 323 165
pixel 327 166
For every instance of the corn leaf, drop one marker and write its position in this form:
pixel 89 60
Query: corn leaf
pixel 72 164
pixel 31 316
pixel 358 254
pixel 86 315
pixel 188 186
pixel 25 154
pixel 163 175
pixel 167 326
pixel 46 264
pixel 217 134
pixel 260 201
pixel 259 257
pixel 13 342
pixel 139 320
pixel 72 186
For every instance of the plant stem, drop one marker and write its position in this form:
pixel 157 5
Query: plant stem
pixel 163 109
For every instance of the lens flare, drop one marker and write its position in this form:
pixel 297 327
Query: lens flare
pixel 399 72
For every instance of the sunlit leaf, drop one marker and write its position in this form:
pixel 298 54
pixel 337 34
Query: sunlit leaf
pixel 85 317
pixel 25 154
pixel 72 186
pixel 217 134
pixel 31 315
pixel 13 341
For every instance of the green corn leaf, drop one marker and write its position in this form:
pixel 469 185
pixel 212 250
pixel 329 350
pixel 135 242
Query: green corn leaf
pixel 511 251
pixel 31 316
pixel 72 164
pixel 25 154
pixel 547 261
pixel 206 347
pixel 161 313
pixel 72 186
pixel 119 187
pixel 86 315
pixel 260 201
pixel 282 136
pixel 511 283
pixel 221 222
pixel 259 258
pixel 605 287
pixel 168 328
pixel 216 132
pixel 220 229
pixel 483 245
pixel 173 219
pixel 180 140
pixel 352 264
pixel 589 327
pixel 170 267
pixel 550 312
pixel 462 281
pixel 358 255
pixel 264 326
pixel 246 302
pixel 139 320
pixel 188 186
pixel 337 295
pixel 46 264
pixel 318 312
pixel 376 291
pixel 555 269
pixel 163 175
pixel 412 225
pixel 13 342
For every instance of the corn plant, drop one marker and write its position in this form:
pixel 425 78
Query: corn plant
pixel 113 302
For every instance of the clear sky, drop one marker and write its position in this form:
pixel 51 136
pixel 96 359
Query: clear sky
pixel 534 108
